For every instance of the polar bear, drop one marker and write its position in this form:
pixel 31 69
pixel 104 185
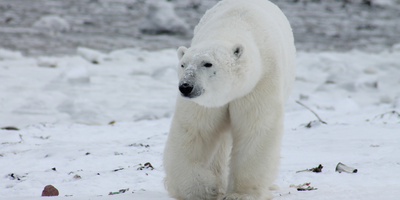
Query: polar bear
pixel 225 136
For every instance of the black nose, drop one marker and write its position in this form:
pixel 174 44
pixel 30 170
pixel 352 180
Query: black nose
pixel 185 88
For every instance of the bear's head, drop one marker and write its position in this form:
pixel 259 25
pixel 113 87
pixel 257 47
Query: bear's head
pixel 212 75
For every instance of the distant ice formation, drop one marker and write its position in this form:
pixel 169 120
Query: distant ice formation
pixel 161 18
pixel 52 23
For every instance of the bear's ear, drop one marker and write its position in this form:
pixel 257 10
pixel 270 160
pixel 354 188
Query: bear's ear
pixel 238 50
pixel 181 52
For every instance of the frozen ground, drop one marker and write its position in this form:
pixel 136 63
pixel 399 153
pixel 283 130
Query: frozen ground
pixel 63 107
pixel 113 24
pixel 101 116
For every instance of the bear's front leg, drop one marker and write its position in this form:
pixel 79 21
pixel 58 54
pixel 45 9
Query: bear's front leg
pixel 256 132
pixel 196 137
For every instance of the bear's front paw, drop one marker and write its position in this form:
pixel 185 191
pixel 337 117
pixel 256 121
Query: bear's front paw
pixel 199 192
pixel 236 196
pixel 209 193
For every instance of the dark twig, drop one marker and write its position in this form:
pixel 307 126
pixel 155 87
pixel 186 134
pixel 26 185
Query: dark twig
pixel 315 169
pixel 390 112
pixel 312 112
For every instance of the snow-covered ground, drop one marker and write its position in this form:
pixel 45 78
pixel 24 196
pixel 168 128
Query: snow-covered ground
pixel 89 122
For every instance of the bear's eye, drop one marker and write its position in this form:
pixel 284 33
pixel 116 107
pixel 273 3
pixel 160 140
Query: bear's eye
pixel 208 65
pixel 182 66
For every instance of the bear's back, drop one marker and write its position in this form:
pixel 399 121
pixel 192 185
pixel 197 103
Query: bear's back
pixel 253 12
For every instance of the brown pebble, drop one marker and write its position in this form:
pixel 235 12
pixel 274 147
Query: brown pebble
pixel 49 191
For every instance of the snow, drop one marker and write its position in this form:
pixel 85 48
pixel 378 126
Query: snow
pixel 129 84
pixel 65 107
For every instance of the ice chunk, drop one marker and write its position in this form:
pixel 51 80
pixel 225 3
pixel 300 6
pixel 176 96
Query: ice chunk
pixel 384 2
pixel 77 75
pixel 52 23
pixel 385 99
pixel 7 55
pixel 47 62
pixel 396 103
pixel 396 48
pixel 91 55
pixel 81 110
pixel 161 18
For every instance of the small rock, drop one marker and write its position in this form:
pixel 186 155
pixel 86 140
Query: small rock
pixel 49 190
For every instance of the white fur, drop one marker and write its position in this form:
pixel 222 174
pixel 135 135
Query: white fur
pixel 224 143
